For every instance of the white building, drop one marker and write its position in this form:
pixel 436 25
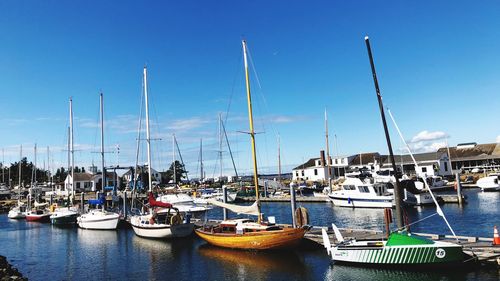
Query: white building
pixel 429 164
pixel 316 170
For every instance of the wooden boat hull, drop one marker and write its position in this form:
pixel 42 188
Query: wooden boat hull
pixel 263 240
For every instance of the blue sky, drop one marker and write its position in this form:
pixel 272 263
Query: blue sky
pixel 437 63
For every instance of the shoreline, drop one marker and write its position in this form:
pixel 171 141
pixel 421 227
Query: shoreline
pixel 9 272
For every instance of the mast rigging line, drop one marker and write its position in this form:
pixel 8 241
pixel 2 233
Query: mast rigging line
pixel 438 208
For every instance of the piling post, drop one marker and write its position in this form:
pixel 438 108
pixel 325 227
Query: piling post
pixel 125 204
pixel 294 205
pixel 50 200
pixel 459 189
pixel 265 189
pixel 82 199
pixel 224 199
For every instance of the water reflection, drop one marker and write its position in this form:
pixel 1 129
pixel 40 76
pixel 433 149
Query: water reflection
pixel 348 273
pixel 265 261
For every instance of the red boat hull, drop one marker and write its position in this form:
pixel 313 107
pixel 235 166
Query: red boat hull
pixel 38 218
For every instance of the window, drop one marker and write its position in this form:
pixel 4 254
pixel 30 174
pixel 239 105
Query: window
pixel 445 166
pixel 424 169
pixel 78 185
pixel 363 189
pixel 349 187
pixel 336 161
pixel 315 172
pixel 297 173
pixel 302 172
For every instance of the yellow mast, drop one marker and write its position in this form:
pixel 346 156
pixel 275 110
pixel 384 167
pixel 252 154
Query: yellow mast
pixel 252 133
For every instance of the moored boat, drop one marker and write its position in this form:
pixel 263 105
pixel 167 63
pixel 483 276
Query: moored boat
pixel 163 221
pixel 401 249
pixel 244 233
pixel 64 216
pixel 489 183
pixel 355 193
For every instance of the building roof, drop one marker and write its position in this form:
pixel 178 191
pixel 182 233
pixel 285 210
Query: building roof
pixel 82 176
pixel 419 157
pixel 366 158
pixel 310 163
pixel 480 151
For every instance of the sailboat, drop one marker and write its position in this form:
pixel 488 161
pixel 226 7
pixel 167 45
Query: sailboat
pixel 246 233
pixel 160 222
pixel 401 249
pixel 40 212
pixel 100 218
pixel 65 215
pixel 19 211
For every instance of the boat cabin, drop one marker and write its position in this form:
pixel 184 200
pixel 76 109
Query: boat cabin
pixel 241 226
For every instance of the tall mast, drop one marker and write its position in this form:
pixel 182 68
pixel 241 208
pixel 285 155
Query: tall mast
pixel 220 147
pixel 252 133
pixel 3 163
pixel 173 158
pixel 33 172
pixel 397 191
pixel 20 166
pixel 48 167
pixel 72 147
pixel 279 159
pixel 69 155
pixel 201 160
pixel 101 103
pixel 327 151
pixel 148 137
pixel 138 144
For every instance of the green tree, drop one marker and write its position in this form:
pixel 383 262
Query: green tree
pixel 180 172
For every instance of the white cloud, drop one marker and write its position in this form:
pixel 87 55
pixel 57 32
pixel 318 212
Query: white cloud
pixel 498 139
pixel 429 136
pixel 187 124
pixel 425 146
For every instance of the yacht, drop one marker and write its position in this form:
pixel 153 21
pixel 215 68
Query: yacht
pixel 489 183
pixel 183 202
pixel 355 193
pixel 98 218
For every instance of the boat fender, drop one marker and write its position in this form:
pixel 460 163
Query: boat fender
pixel 175 219
pixel 301 216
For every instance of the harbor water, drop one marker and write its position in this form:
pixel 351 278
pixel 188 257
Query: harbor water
pixel 45 252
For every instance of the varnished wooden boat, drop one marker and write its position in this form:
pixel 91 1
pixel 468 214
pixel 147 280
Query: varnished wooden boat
pixel 251 235
pixel 245 233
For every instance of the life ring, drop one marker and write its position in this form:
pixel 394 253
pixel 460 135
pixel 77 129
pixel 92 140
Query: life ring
pixel 175 219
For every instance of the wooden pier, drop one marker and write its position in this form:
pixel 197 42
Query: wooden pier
pixel 478 247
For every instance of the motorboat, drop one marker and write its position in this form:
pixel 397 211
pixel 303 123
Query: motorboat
pixel 355 193
pixel 183 202
pixel 489 183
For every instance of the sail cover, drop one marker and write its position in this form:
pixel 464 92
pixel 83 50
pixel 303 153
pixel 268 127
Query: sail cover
pixel 247 210
pixel 154 203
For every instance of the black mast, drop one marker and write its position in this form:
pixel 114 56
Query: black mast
pixel 397 190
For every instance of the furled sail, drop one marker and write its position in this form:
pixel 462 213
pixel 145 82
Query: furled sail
pixel 247 210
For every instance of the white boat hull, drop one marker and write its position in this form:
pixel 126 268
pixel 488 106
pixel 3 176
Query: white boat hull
pixel 490 183
pixel 343 201
pixel 13 214
pixel 159 231
pixel 99 220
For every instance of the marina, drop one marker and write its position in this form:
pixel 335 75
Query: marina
pixel 120 252
pixel 249 141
